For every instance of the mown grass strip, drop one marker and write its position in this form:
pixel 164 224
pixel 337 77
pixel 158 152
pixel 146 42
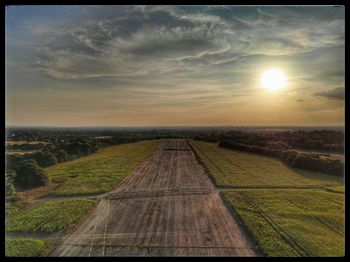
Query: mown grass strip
pixel 299 248
pixel 241 169
pixel 99 172
pixel 292 222
pixel 51 216
pixel 26 247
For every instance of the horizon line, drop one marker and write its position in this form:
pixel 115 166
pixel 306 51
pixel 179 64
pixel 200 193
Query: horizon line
pixel 169 126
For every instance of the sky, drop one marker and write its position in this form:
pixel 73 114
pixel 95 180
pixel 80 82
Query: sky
pixel 173 65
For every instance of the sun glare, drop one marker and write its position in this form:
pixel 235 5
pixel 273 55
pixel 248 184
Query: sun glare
pixel 273 79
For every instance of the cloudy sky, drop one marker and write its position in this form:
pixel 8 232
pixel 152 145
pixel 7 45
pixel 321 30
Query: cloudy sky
pixel 173 65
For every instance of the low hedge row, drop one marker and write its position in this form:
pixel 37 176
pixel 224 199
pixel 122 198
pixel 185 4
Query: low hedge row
pixel 312 162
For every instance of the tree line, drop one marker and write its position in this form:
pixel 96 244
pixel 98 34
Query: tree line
pixel 308 161
pixel 27 171
pixel 66 144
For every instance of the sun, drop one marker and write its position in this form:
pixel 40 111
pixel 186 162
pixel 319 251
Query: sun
pixel 273 78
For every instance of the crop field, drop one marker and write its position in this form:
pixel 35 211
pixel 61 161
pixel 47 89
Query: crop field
pixel 240 169
pixel 289 212
pixel 12 208
pixel 51 216
pixel 25 247
pixel 168 205
pixel 99 172
pixel 292 222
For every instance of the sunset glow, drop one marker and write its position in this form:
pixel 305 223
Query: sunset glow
pixel 273 79
pixel 174 65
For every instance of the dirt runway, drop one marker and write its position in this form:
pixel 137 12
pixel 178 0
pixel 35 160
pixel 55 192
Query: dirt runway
pixel 167 206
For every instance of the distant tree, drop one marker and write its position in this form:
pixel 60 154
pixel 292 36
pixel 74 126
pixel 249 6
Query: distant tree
pixel 29 175
pixel 78 148
pixel 10 189
pixel 12 161
pixel 44 158
pixel 61 155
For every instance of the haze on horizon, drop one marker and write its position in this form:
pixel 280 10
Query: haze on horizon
pixel 173 65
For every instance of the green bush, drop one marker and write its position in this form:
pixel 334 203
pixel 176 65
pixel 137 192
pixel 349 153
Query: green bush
pixel 11 193
pixel 44 158
pixel 30 175
pixel 61 155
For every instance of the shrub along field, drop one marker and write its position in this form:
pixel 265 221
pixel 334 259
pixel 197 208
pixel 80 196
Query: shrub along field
pixel 240 169
pixel 51 216
pixel 99 172
pixel 25 247
pixel 292 222
pixel 312 161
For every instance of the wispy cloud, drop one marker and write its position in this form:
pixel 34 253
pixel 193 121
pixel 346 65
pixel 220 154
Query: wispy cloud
pixel 173 50
pixel 336 93
pixel 189 38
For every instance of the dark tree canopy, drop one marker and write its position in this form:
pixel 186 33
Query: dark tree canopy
pixel 30 175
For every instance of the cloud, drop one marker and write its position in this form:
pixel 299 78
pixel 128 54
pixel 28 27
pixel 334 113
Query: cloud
pixel 168 43
pixel 140 64
pixel 144 40
pixel 337 93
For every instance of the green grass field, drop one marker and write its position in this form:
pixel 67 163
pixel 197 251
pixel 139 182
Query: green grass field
pixel 99 172
pixel 292 222
pixel 51 216
pixel 336 189
pixel 284 222
pixel 25 247
pixel 236 168
pixel 14 207
pixel 96 173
